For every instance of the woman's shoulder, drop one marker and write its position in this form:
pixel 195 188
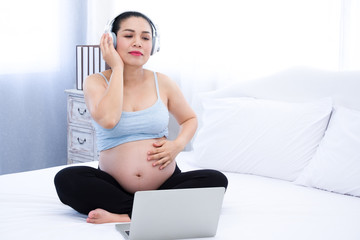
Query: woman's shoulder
pixel 100 75
pixel 165 81
pixel 96 79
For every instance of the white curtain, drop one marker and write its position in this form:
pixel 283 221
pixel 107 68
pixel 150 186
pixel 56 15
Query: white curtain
pixel 37 63
pixel 350 35
pixel 26 45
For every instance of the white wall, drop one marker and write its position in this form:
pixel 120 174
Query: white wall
pixel 206 44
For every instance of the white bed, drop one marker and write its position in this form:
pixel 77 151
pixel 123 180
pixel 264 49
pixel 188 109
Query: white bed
pixel 255 206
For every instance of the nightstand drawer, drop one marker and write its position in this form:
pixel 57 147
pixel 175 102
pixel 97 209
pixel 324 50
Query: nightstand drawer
pixel 81 141
pixel 78 159
pixel 77 112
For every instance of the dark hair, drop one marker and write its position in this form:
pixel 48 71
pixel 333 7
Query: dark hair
pixel 125 15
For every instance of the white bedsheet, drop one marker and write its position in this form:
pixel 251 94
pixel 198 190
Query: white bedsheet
pixel 254 208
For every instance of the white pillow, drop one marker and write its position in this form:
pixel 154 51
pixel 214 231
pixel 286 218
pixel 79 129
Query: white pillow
pixel 263 137
pixel 336 164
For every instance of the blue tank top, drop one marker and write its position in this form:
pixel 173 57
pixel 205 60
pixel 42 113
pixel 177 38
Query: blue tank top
pixel 149 123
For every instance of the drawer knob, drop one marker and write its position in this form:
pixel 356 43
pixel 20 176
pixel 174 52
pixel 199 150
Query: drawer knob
pixel 81 112
pixel 81 141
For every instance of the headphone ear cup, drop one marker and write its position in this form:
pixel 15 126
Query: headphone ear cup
pixel 113 36
pixel 155 44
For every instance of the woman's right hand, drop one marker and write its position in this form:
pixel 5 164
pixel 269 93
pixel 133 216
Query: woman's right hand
pixel 109 53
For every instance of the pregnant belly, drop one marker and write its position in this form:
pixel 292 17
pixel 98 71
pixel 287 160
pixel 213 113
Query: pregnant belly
pixel 128 164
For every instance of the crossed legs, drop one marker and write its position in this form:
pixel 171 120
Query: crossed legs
pixel 96 193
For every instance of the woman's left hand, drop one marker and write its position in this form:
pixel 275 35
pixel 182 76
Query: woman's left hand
pixel 163 153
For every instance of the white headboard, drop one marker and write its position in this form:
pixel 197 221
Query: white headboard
pixel 300 84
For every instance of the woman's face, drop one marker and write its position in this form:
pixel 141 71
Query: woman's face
pixel 134 41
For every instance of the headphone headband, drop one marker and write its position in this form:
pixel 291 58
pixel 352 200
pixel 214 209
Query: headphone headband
pixel 155 34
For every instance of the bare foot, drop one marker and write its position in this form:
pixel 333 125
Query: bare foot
pixel 102 216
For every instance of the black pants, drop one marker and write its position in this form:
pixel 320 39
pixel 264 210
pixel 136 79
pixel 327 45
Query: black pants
pixel 86 188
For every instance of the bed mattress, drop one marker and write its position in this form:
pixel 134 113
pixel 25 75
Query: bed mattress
pixel 254 208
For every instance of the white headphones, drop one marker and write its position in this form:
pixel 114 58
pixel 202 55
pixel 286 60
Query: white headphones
pixel 155 33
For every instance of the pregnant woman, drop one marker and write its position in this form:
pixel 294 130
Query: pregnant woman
pixel 130 109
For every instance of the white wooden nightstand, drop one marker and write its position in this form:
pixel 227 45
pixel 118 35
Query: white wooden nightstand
pixel 81 138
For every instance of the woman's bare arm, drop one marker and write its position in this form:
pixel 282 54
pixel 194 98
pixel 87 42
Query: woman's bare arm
pixel 165 151
pixel 105 101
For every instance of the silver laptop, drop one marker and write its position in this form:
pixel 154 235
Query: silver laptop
pixel 174 214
